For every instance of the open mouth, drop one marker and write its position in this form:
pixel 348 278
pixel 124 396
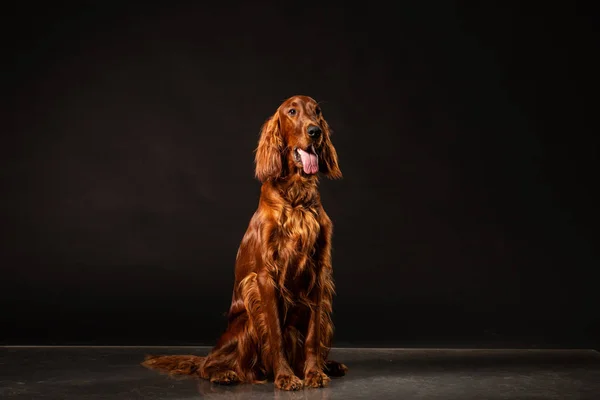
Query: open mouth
pixel 308 158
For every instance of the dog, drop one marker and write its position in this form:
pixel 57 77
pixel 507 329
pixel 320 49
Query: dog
pixel 279 321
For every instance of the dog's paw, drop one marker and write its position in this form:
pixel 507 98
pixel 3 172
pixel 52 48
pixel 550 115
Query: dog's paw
pixel 288 382
pixel 225 378
pixel 334 368
pixel 316 379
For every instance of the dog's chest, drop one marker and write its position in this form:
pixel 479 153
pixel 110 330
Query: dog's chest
pixel 299 229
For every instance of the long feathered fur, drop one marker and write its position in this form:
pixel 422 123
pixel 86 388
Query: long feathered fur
pixel 279 321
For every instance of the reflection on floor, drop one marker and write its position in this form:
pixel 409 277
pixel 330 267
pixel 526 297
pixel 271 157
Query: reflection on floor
pixel 114 373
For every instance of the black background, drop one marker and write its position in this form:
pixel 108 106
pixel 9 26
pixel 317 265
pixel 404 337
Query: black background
pixel 465 135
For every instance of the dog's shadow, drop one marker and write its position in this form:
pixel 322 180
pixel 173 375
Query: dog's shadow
pixel 210 390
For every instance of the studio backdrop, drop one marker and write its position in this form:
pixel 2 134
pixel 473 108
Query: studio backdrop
pixel 128 179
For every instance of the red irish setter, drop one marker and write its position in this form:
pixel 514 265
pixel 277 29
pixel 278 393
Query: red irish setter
pixel 279 322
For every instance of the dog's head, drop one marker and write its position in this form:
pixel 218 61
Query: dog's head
pixel 296 140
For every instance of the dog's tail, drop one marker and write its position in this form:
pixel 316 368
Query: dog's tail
pixel 175 365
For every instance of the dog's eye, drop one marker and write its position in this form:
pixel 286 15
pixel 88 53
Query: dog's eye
pixel 292 111
pixel 318 111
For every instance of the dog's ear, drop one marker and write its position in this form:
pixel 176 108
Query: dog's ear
pixel 268 156
pixel 328 159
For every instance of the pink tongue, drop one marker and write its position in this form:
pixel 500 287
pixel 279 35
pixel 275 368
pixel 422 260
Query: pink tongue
pixel 310 162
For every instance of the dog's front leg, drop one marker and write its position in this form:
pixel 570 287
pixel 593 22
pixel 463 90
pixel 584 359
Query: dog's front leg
pixel 284 376
pixel 319 325
pixel 317 368
pixel 313 369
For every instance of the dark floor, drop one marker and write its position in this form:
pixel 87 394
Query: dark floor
pixel 114 373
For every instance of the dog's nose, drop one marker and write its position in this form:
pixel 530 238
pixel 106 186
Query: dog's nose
pixel 314 131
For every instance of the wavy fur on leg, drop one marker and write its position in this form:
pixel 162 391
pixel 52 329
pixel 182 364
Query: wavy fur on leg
pixel 279 322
